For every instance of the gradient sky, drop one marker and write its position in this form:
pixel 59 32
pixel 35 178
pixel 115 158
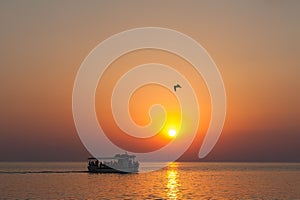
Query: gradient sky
pixel 255 44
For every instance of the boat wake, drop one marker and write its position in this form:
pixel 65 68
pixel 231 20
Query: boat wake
pixel 41 172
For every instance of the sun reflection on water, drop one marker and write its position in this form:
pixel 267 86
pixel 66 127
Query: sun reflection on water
pixel 173 183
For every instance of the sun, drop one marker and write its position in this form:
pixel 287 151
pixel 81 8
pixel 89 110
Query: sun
pixel 172 132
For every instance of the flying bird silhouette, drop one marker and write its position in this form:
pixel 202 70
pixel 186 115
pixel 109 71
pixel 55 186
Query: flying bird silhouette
pixel 176 86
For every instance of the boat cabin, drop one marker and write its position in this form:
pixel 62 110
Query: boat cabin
pixel 120 163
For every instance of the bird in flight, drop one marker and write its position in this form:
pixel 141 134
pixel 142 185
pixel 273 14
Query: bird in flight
pixel 176 86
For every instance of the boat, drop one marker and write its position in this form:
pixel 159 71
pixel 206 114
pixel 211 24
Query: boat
pixel 120 163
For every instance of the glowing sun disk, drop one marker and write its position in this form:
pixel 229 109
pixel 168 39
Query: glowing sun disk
pixel 172 132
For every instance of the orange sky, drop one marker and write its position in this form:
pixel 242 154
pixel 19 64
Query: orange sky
pixel 147 96
pixel 255 44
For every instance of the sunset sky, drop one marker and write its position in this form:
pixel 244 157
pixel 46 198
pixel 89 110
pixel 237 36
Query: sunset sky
pixel 255 44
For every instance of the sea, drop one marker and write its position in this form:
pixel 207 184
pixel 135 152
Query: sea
pixel 179 180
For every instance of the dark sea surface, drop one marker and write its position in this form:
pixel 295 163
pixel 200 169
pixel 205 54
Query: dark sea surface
pixel 69 180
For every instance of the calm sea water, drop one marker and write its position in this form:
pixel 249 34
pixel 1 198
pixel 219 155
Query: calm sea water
pixel 177 181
